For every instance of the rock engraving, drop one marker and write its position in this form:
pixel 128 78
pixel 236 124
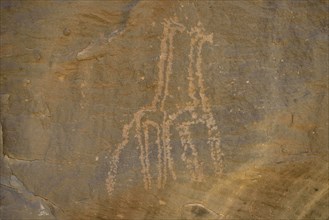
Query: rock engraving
pixel 155 116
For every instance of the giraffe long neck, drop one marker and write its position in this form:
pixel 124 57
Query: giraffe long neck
pixel 196 81
pixel 168 70
pixel 161 66
pixel 165 62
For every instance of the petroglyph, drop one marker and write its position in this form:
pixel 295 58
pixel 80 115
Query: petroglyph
pixel 155 116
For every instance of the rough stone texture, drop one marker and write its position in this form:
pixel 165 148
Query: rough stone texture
pixel 83 112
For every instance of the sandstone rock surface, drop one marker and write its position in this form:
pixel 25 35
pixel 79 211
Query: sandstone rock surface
pixel 164 109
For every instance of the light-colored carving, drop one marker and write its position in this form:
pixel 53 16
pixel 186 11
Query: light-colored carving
pixel 198 110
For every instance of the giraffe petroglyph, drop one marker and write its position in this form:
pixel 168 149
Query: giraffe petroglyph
pixel 155 116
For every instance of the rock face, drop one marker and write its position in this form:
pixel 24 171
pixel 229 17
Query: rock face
pixel 164 109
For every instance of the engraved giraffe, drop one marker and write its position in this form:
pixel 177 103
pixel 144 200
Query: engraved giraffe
pixel 156 117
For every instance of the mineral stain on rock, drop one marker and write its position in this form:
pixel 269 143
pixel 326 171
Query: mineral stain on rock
pixel 164 109
pixel 198 211
pixel 66 31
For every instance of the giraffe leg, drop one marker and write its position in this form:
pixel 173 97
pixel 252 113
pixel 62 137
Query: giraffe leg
pixel 143 154
pixel 191 159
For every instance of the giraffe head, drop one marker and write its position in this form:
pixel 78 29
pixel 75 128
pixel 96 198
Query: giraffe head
pixel 173 24
pixel 198 33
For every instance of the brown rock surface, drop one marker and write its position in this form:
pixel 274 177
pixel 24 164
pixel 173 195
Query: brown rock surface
pixel 164 109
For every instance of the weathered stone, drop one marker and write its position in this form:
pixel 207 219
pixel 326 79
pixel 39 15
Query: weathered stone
pixel 197 211
pixel 164 109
